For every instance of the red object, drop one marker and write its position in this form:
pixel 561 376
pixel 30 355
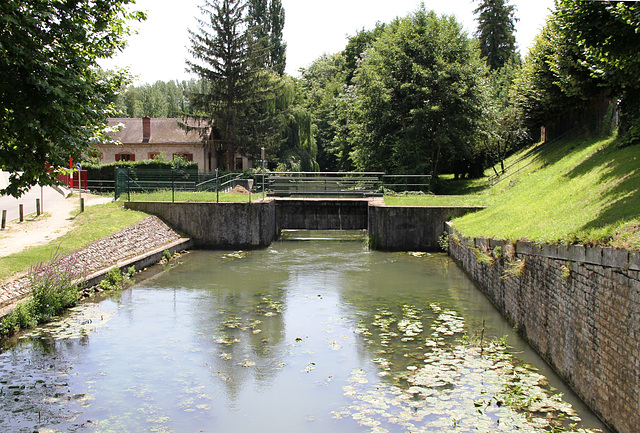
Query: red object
pixel 71 167
pixel 79 177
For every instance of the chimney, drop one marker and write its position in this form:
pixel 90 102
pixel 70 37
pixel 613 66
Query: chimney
pixel 146 129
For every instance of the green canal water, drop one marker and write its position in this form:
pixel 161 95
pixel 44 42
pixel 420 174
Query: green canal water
pixel 299 337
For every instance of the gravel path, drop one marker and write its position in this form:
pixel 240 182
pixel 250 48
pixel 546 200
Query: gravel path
pixel 148 234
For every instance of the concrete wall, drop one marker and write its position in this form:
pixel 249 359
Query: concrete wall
pixel 218 225
pixel 578 306
pixel 410 228
pixel 252 225
pixel 322 214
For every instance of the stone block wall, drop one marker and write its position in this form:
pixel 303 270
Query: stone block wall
pixel 578 306
pixel 218 225
pixel 410 228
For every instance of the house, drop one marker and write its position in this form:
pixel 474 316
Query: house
pixel 148 138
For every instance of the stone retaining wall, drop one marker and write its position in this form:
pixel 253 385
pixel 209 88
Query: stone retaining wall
pixel 578 306
pixel 130 246
pixel 217 225
pixel 407 228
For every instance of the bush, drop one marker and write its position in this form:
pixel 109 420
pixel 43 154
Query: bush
pixel 117 280
pixel 54 288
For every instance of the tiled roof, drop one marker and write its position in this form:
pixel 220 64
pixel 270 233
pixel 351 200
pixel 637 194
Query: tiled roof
pixel 163 131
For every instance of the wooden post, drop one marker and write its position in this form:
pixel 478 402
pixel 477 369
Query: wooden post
pixel 4 218
pixel 81 204
pixel 38 207
pixel 21 208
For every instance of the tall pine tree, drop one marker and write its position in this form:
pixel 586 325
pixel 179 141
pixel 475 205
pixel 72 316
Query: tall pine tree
pixel 496 31
pixel 235 86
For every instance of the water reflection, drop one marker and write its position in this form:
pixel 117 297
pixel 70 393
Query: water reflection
pixel 305 337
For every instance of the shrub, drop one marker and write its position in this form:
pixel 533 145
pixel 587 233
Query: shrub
pixel 116 279
pixel 54 288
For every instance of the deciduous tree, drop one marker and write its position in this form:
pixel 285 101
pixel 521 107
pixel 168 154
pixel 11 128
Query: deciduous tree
pixel 53 97
pixel 418 97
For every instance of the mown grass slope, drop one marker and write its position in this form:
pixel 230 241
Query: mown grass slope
pixel 575 191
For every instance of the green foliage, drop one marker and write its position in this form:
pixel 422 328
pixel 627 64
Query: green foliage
pixel 116 279
pixel 166 255
pixel 237 95
pixel 161 99
pixel 22 317
pixel 606 40
pixel 53 97
pixel 416 110
pixel 141 169
pixel 266 20
pixel 53 288
pixel 496 31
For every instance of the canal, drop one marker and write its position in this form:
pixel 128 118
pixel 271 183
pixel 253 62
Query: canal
pixel 306 336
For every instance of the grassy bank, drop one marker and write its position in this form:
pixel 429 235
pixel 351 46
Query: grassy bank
pixel 95 223
pixel 576 191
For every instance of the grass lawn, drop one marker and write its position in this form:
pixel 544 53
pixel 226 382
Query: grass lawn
pixel 199 196
pixel 95 223
pixel 577 191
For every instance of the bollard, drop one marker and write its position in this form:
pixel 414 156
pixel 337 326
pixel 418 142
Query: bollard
pixel 4 218
pixel 81 204
pixel 21 208
pixel 37 207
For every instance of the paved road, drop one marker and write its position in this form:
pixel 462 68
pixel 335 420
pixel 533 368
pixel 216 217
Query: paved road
pixel 47 195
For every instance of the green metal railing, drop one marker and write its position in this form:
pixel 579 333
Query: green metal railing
pixel 189 183
pixel 338 184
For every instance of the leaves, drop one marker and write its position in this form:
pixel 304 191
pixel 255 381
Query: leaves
pixel 53 97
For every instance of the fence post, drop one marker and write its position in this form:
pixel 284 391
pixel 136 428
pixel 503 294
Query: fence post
pixel 21 208
pixel 217 187
pixel 173 187
pixel 38 207
pixel 4 218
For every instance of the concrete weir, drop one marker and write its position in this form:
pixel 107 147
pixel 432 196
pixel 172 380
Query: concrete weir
pixel 257 224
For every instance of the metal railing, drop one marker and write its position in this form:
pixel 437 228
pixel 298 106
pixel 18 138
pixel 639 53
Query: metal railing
pixel 337 184
pixel 278 184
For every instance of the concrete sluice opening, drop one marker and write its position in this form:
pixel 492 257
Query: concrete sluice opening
pixel 323 235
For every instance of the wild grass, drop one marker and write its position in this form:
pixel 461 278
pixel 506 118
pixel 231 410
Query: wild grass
pixel 53 288
pixel 94 223
pixel 577 191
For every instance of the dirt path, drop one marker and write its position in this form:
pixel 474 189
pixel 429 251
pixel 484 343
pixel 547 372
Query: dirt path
pixel 57 220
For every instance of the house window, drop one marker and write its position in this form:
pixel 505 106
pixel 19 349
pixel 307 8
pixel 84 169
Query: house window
pixel 153 155
pixel 125 156
pixel 187 156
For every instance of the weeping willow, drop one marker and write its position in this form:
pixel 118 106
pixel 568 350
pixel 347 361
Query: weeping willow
pixel 298 149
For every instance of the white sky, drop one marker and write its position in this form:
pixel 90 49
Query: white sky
pixel 312 28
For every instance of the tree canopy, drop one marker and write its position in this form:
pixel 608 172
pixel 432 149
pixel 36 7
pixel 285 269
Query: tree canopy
pixel 417 97
pixel 53 97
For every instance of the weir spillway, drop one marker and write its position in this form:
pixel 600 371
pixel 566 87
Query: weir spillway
pixel 258 224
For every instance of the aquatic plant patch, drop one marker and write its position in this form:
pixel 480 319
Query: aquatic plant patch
pixel 459 385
